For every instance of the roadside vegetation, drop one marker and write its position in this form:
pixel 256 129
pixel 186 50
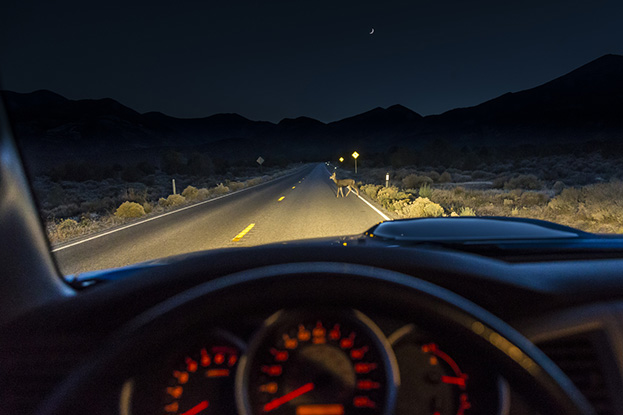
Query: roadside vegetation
pixel 582 192
pixel 78 199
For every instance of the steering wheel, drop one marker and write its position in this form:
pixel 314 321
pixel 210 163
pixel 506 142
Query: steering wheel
pixel 319 284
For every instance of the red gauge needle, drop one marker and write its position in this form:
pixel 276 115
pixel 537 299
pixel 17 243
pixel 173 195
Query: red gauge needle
pixel 453 380
pixel 277 402
pixel 197 408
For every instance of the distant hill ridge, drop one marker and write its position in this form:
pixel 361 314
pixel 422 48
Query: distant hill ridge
pixel 585 104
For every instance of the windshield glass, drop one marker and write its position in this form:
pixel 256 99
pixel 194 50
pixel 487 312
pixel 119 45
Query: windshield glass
pixel 162 129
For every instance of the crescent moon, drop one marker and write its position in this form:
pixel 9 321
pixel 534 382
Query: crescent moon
pixel 372 31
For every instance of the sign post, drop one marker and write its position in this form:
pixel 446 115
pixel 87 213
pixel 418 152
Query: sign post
pixel 260 161
pixel 173 186
pixel 355 155
pixel 387 180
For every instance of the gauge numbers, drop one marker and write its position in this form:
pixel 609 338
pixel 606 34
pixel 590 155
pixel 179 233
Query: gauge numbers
pixel 318 364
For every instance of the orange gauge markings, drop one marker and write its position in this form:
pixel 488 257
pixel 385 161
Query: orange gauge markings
pixel 348 342
pixel 182 377
pixel 270 387
pixel 335 334
pixel 303 334
pixel 363 402
pixel 358 353
pixel 365 367
pixel 280 355
pixel 191 365
pixel 274 370
pixel 217 373
pixel 368 384
pixel 175 391
pixel 219 359
pixel 290 343
pixel 232 360
pixel 205 358
pixel 319 330
pixel 172 407
pixel 326 409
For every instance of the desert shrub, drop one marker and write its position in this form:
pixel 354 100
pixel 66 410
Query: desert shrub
pixel 445 177
pixel 67 225
pixel 148 207
pixel 458 191
pixel 433 175
pixel 203 193
pixel 467 211
pixel 567 201
pixel 371 189
pixel 190 193
pixel 413 181
pixel 498 182
pixel 171 200
pixel 420 207
pixel 254 181
pixel 524 181
pixel 130 210
pixel 425 191
pixel 532 199
pixel 233 186
pixel 221 189
pixel 388 195
pixel 558 187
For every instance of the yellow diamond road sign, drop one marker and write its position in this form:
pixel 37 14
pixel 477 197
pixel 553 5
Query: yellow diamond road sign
pixel 341 159
pixel 355 154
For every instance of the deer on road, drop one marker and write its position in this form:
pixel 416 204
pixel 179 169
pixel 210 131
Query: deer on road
pixel 342 183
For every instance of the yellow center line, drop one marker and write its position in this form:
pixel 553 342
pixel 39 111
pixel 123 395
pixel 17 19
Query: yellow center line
pixel 293 187
pixel 243 233
pixel 281 198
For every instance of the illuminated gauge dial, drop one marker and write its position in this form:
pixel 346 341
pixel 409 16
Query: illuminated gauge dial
pixel 318 364
pixel 436 382
pixel 197 381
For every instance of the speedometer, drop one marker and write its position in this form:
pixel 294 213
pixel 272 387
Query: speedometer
pixel 304 363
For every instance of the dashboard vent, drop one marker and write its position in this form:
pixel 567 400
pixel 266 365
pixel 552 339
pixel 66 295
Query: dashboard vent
pixel 579 357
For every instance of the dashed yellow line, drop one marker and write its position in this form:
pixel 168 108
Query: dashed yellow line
pixel 243 233
pixel 281 198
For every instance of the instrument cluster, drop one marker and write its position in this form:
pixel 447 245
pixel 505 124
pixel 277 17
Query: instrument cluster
pixel 311 362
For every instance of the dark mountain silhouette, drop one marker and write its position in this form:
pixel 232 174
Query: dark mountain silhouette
pixel 585 105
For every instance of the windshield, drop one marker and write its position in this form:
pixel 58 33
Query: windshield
pixel 162 129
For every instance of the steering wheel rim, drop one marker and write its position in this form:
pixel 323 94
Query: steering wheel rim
pixel 321 284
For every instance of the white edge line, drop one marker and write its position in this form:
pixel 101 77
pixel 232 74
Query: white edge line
pixel 99 235
pixel 384 216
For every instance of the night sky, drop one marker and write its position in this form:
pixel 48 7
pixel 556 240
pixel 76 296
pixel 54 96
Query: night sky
pixel 268 60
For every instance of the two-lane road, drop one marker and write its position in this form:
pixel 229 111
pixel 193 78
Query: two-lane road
pixel 299 206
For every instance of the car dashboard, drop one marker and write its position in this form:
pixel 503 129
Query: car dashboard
pixel 334 358
pixel 315 362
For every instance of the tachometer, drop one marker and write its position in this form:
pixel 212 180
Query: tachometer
pixel 196 380
pixel 318 364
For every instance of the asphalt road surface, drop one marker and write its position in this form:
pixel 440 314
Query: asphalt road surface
pixel 299 206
